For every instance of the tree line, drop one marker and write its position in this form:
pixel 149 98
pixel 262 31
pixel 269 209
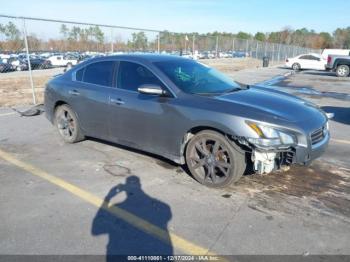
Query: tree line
pixel 92 38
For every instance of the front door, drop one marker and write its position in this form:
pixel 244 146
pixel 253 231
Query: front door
pixel 139 120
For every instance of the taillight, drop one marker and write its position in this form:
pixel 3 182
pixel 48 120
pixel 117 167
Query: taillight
pixel 329 59
pixel 287 60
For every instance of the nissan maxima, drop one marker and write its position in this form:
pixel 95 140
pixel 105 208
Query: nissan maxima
pixel 187 112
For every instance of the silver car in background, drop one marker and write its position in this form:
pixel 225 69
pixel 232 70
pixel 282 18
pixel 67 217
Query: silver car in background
pixel 187 112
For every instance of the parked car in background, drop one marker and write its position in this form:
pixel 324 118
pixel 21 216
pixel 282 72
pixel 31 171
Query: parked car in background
pixel 306 61
pixel 239 54
pixel 17 63
pixel 63 60
pixel 326 52
pixel 36 62
pixel 187 112
pixel 6 67
pixel 339 64
pixel 208 55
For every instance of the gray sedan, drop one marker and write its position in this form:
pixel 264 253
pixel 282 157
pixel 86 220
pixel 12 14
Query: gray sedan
pixel 187 112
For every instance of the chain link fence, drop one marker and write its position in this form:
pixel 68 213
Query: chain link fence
pixel 32 50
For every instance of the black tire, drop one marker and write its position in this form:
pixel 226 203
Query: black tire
pixel 213 160
pixel 67 124
pixel 343 71
pixel 296 66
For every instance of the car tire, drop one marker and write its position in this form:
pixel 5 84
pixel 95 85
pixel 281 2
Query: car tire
pixel 67 124
pixel 18 68
pixel 69 66
pixel 213 160
pixel 343 71
pixel 296 67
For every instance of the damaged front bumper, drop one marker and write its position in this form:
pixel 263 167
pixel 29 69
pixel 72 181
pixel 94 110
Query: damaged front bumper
pixel 266 160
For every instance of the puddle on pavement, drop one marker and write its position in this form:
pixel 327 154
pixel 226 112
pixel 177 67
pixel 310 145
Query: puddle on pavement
pixel 309 91
pixel 116 170
pixel 301 189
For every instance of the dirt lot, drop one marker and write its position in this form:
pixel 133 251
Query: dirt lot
pixel 47 184
pixel 15 88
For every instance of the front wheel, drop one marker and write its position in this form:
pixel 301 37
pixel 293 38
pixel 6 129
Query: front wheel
pixel 213 160
pixel 67 124
pixel 342 71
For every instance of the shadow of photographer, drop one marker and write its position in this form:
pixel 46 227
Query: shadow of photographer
pixel 124 238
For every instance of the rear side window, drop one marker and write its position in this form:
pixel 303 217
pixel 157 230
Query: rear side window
pixel 305 57
pixel 131 76
pixel 100 73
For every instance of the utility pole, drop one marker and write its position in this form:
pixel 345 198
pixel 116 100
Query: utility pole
pixel 217 46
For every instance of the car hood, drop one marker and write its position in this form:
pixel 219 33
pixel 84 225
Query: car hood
pixel 272 104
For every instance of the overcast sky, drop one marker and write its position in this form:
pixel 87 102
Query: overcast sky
pixel 191 15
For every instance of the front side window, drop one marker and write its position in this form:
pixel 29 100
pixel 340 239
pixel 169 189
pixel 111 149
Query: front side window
pixel 99 73
pixel 132 75
pixel 196 78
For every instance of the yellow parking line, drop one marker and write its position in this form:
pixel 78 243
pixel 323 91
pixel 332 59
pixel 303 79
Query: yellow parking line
pixel 341 141
pixel 176 241
pixel 8 114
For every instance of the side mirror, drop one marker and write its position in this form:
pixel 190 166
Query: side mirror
pixel 151 90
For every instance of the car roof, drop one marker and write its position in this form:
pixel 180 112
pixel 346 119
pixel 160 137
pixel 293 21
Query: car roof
pixel 144 57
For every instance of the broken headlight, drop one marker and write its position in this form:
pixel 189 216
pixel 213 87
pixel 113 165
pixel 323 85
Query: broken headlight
pixel 270 136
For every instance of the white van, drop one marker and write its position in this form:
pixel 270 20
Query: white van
pixel 327 52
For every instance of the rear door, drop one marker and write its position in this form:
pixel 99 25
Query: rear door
pixel 90 97
pixel 311 62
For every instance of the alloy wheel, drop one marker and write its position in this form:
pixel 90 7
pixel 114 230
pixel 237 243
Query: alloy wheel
pixel 66 124
pixel 210 160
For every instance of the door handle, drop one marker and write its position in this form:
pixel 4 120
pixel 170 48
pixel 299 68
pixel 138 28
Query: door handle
pixel 117 101
pixel 73 92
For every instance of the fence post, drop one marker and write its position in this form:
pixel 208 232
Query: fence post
pixel 193 36
pixel 28 60
pixel 246 47
pixel 233 45
pixel 158 42
pixel 217 46
pixel 257 50
pixel 279 52
pixel 112 47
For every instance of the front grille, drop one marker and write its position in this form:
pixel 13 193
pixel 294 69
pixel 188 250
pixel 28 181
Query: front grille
pixel 318 135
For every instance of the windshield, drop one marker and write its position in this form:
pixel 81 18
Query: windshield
pixel 196 78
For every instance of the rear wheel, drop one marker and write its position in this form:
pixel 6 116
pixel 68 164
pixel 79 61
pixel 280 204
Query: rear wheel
pixel 342 71
pixel 296 66
pixel 67 124
pixel 213 160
